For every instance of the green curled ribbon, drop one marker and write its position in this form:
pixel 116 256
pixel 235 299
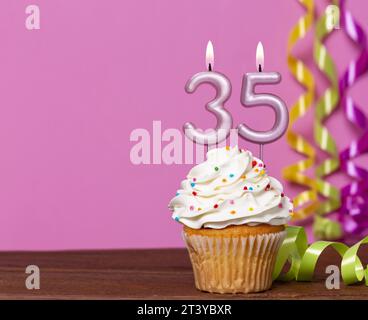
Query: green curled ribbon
pixel 325 106
pixel 303 258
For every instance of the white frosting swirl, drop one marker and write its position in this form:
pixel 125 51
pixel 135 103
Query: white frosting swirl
pixel 230 188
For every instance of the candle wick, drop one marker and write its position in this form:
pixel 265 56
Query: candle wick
pixel 259 68
pixel 209 67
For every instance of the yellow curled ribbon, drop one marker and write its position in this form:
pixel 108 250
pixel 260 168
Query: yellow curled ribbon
pixel 306 202
pixel 303 259
pixel 324 108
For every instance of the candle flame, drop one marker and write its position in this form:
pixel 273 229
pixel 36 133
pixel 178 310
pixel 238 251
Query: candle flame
pixel 209 56
pixel 260 57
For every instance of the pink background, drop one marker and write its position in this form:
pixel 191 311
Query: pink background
pixel 72 92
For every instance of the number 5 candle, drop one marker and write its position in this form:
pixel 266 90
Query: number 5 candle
pixel 249 98
pixel 216 106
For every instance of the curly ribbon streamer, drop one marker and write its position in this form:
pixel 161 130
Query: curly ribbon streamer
pixel 353 213
pixel 326 104
pixel 323 227
pixel 303 259
pixel 305 202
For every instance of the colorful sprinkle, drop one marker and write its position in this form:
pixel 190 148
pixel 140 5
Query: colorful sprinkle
pixel 216 169
pixel 227 148
pixel 215 206
pixel 191 208
pixel 250 188
pixel 192 184
pixel 194 179
pixel 199 209
pixel 224 180
pixel 176 218
pixel 282 195
pixel 244 176
pixel 177 193
pixel 194 193
pixel 256 170
pixel 231 175
pixel 280 205
pixel 231 201
pixel 250 209
pixel 260 165
pixel 245 188
pixel 254 163
pixel 232 211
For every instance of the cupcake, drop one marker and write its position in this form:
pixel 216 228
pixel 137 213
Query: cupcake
pixel 233 217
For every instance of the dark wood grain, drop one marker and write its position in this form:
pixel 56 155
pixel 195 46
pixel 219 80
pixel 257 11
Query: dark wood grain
pixel 140 274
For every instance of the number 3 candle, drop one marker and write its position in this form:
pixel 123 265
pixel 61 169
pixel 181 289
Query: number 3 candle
pixel 216 106
pixel 251 99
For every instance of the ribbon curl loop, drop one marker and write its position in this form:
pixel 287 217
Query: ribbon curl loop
pixel 326 105
pixel 353 213
pixel 306 202
pixel 303 258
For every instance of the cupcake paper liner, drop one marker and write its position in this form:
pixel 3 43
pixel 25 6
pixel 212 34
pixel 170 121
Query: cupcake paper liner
pixel 241 264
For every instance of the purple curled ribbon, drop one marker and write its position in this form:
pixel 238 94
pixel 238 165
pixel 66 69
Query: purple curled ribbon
pixel 353 213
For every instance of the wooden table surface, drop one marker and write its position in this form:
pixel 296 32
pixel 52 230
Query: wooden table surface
pixel 141 274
